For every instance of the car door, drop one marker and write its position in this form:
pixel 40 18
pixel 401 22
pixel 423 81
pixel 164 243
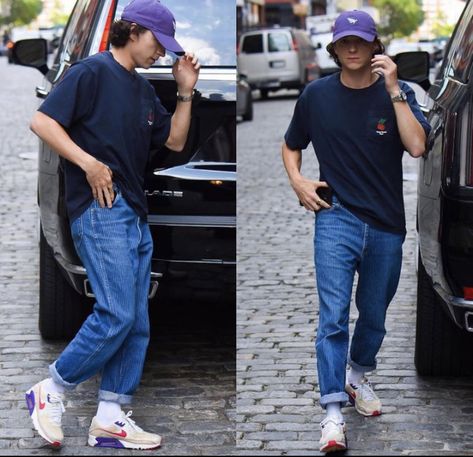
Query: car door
pixel 251 59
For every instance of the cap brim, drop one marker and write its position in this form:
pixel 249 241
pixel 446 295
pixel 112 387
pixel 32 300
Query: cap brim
pixel 169 43
pixel 365 36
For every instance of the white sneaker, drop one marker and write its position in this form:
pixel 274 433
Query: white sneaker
pixel 46 410
pixel 124 433
pixel 364 399
pixel 333 435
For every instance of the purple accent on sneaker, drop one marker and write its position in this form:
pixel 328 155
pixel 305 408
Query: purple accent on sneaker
pixel 120 424
pixel 49 399
pixel 108 442
pixel 30 401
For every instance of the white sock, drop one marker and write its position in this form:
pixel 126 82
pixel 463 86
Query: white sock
pixel 51 386
pixel 354 376
pixel 108 412
pixel 334 411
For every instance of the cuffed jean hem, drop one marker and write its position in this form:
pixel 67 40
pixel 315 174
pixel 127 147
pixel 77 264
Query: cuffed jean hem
pixel 122 399
pixel 360 368
pixel 339 397
pixel 58 379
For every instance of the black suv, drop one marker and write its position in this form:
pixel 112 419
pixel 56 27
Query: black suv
pixel 191 195
pixel 444 338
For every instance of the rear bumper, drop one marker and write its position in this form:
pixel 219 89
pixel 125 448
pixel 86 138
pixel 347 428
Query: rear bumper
pixel 461 310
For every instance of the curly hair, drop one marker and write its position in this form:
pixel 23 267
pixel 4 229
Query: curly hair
pixel 121 30
pixel 380 49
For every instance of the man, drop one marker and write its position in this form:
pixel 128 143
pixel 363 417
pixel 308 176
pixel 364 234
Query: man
pixel 360 121
pixel 104 118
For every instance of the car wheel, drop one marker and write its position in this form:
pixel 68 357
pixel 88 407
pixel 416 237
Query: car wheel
pixel 61 309
pixel 441 348
pixel 264 93
pixel 248 116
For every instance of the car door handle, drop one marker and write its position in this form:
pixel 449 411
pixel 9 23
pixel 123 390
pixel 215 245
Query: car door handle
pixel 41 92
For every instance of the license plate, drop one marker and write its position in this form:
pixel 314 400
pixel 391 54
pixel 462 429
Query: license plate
pixel 277 64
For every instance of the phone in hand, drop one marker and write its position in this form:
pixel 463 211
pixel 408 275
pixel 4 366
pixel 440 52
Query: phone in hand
pixel 324 193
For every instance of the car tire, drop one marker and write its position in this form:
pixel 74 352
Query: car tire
pixel 248 116
pixel 61 309
pixel 264 93
pixel 441 348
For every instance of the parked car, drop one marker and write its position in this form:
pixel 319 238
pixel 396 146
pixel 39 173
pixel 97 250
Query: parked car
pixel 326 63
pixel 277 58
pixel 444 331
pixel 191 195
pixel 244 99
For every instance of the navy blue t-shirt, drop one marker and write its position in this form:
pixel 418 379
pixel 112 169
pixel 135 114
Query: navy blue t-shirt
pixel 355 137
pixel 114 115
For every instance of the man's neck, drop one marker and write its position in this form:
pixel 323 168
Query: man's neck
pixel 123 58
pixel 358 79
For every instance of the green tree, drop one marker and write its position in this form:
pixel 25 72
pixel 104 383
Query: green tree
pixel 58 17
pixel 441 28
pixel 399 18
pixel 19 12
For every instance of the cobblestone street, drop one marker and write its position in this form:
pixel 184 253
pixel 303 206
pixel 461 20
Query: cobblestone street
pixel 187 392
pixel 277 393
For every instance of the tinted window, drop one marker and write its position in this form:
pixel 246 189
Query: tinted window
pixel 204 27
pixel 460 52
pixel 252 44
pixel 278 42
pixel 78 30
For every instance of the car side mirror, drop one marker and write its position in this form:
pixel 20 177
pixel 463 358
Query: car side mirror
pixel 31 53
pixel 414 67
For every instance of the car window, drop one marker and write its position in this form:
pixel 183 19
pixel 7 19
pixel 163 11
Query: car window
pixel 203 29
pixel 78 30
pixel 459 54
pixel 252 44
pixel 278 42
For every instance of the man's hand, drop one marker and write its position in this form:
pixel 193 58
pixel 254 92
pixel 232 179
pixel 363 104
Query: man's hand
pixel 384 66
pixel 306 191
pixel 186 72
pixel 99 176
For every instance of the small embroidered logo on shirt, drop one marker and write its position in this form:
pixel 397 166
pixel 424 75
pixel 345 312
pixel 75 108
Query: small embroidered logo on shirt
pixel 381 128
pixel 352 20
pixel 150 117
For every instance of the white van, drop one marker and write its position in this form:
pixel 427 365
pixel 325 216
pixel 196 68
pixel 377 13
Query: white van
pixel 272 59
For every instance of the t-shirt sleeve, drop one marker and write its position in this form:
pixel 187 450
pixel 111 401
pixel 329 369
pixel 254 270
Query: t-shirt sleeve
pixel 297 134
pixel 73 97
pixel 162 125
pixel 411 99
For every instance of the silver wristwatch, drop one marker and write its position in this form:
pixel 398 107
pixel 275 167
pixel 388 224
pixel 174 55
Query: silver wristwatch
pixel 401 97
pixel 185 98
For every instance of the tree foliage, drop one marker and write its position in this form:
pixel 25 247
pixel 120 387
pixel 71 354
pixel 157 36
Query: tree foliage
pixel 398 18
pixel 19 12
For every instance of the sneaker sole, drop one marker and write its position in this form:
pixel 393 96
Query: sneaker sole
pixel 333 446
pixel 31 404
pixel 98 441
pixel 360 411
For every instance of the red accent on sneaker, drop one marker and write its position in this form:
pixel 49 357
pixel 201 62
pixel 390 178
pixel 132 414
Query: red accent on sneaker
pixel 333 446
pixel 122 433
pixel 376 413
pixel 41 404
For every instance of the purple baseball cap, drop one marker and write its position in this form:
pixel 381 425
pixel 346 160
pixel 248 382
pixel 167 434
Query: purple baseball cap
pixel 154 16
pixel 357 23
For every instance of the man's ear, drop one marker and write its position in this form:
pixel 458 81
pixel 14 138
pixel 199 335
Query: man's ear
pixel 133 31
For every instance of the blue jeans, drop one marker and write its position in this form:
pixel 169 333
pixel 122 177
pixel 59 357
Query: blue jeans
pixel 344 245
pixel 115 246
